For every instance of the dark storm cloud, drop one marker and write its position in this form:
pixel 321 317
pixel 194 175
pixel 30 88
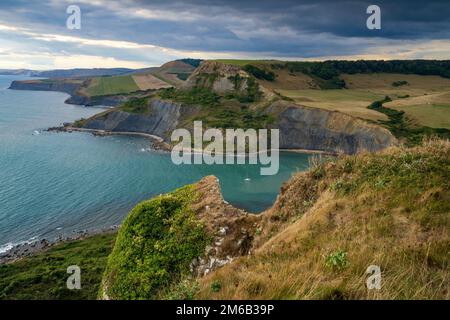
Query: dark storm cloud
pixel 288 27
pixel 401 19
pixel 259 28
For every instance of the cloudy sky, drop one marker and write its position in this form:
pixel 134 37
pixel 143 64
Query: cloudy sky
pixel 138 33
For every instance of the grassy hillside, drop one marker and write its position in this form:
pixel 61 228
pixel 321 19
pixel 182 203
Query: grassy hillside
pixel 149 81
pixel 434 115
pixel 389 209
pixel 219 111
pixel 353 102
pixel 170 74
pixel 420 98
pixel 44 275
pixel 111 85
pixel 432 109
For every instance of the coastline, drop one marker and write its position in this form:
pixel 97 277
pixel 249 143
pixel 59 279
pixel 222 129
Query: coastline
pixel 31 247
pixel 161 145
pixel 26 249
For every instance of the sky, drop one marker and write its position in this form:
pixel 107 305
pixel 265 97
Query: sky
pixel 138 33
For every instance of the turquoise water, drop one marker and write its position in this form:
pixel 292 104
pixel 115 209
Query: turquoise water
pixel 57 183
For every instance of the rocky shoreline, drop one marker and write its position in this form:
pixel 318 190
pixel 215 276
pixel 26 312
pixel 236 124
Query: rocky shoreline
pixel 157 142
pixel 31 248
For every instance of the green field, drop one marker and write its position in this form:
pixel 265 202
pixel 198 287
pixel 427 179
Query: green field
pixel 430 115
pixel 44 275
pixel 112 85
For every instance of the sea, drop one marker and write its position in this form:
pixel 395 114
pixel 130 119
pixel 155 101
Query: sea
pixel 55 184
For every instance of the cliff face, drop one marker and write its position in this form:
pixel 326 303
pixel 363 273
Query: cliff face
pixel 300 127
pixel 110 101
pixel 317 129
pixel 70 87
pixel 160 119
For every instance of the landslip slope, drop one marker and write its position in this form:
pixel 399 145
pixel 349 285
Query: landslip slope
pixel 387 210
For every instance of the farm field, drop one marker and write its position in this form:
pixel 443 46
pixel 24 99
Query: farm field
pixel 432 110
pixel 417 84
pixel 425 99
pixel 148 81
pixel 352 102
pixel 434 115
pixel 169 78
pixel 286 80
pixel 112 85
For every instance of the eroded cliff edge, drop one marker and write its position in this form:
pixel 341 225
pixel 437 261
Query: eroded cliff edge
pixel 317 129
pixel 326 227
pixel 163 241
pixel 71 87
pixel 300 127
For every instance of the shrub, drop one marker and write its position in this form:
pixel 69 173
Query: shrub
pixel 155 245
pixel 216 286
pixel 136 105
pixel 337 260
pixel 399 83
pixel 260 73
pixel 79 123
pixel 199 96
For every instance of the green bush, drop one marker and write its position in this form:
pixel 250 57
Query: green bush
pixel 260 73
pixel 155 245
pixel 199 96
pixel 136 105
pixel 79 123
pixel 337 260
pixel 216 286
pixel 399 83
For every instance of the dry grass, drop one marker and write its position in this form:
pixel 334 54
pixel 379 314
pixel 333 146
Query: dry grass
pixel 389 209
pixel 432 110
pixel 425 99
pixel 353 102
pixel 148 81
pixel 289 81
pixel 385 80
